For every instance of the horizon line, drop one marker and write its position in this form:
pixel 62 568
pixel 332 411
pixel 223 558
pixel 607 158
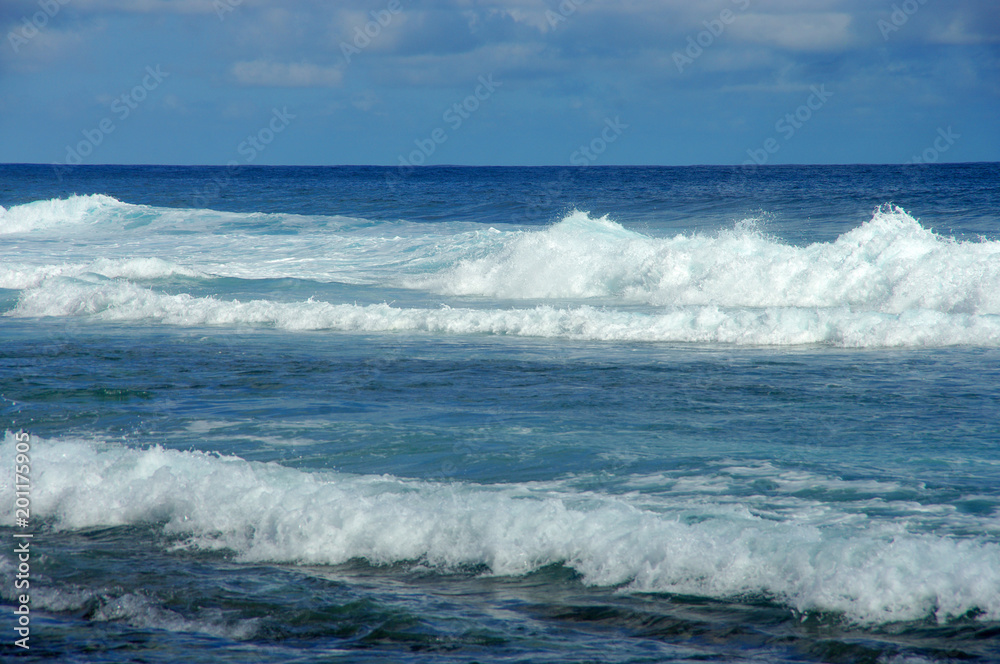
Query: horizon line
pixel 570 166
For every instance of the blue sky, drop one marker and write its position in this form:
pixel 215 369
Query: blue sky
pixel 513 82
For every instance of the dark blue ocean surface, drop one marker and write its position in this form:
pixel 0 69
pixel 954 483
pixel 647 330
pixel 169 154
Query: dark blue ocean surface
pixel 502 414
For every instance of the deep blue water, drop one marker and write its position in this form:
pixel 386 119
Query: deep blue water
pixel 503 414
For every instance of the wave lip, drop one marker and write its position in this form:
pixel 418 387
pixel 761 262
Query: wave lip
pixel 871 573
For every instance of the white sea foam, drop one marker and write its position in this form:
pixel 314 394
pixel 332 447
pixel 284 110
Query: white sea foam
pixel 31 276
pixel 140 268
pixel 871 573
pixel 889 282
pixel 124 301
pixel 70 211
pixel 81 231
pixel 889 264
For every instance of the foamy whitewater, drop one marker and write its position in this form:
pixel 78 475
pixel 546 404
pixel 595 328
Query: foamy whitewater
pixel 818 560
pixel 505 414
pixel 890 282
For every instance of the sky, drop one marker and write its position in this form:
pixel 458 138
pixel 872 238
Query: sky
pixel 489 82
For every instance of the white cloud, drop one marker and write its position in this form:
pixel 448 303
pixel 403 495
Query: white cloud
pixel 797 32
pixel 44 48
pixel 288 75
pixel 150 6
pixel 959 31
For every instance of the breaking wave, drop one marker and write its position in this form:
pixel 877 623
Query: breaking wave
pixel 873 573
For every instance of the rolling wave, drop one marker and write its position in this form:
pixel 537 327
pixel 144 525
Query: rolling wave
pixel 62 213
pixel 889 264
pixel 874 573
pixel 888 282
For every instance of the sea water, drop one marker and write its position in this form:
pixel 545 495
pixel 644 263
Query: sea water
pixel 501 414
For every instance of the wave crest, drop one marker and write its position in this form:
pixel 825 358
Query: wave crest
pixel 75 210
pixel 877 574
pixel 889 264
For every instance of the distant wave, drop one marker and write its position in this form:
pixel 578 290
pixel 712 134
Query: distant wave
pixel 32 276
pixel 889 282
pixel 123 301
pixel 889 264
pixel 267 512
pixel 61 212
pixel 98 213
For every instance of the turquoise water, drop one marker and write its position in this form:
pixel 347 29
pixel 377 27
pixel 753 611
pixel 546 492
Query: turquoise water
pixel 601 415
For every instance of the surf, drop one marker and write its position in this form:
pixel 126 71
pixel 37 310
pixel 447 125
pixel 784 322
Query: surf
pixel 666 543
pixel 889 264
pixel 889 282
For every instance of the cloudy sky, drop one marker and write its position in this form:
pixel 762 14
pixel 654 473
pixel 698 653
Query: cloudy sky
pixel 505 82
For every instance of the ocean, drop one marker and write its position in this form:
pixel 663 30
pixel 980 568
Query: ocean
pixel 456 414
